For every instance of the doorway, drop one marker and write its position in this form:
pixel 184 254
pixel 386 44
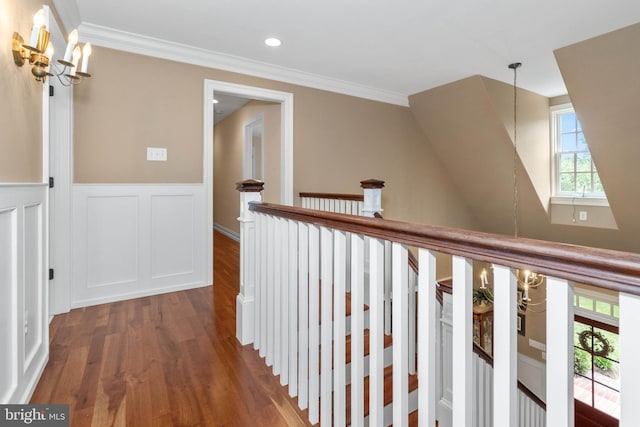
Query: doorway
pixel 285 100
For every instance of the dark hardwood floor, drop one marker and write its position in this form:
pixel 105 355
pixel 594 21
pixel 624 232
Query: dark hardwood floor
pixel 165 360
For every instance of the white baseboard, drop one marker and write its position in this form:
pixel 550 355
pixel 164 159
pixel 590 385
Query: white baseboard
pixel 137 294
pixel 227 232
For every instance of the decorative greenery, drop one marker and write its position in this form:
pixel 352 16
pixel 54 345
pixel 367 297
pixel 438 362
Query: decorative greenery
pixel 581 362
pixel 595 342
pixel 603 364
pixel 482 294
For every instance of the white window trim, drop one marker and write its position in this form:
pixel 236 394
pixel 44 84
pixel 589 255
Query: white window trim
pixel 566 198
pixel 592 314
pixel 579 201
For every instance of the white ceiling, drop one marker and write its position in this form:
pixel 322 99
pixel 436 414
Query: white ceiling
pixel 226 105
pixel 402 46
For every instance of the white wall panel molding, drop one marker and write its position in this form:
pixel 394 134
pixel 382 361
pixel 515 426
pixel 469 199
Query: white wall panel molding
pixel 134 240
pixel 24 331
pixel 531 373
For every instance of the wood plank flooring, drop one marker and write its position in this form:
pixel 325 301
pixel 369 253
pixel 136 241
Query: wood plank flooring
pixel 165 360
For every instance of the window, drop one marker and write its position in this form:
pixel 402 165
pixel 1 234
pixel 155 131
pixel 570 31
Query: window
pixel 574 170
pixel 596 382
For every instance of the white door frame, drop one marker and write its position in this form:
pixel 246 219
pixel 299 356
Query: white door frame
pixel 57 151
pixel 285 99
pixel 247 148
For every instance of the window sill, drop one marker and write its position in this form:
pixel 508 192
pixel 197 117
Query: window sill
pixel 579 201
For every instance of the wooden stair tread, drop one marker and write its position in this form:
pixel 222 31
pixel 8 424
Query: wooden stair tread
pixel 388 342
pixel 347 303
pixel 388 391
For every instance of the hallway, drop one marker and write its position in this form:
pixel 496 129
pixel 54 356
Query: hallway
pixel 165 360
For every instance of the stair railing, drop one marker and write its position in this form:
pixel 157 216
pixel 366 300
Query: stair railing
pixel 295 254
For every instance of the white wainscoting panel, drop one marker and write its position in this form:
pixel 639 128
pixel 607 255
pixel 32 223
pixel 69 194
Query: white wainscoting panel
pixel 112 240
pixel 24 327
pixel 533 374
pixel 133 240
pixel 34 278
pixel 172 235
pixel 8 302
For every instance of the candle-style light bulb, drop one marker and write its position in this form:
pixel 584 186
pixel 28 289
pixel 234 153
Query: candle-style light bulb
pixel 86 53
pixel 76 58
pixel 38 22
pixel 73 40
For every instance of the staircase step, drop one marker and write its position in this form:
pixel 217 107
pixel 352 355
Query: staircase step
pixel 388 391
pixel 388 342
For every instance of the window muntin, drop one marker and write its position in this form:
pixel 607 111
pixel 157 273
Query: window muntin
pixel 575 173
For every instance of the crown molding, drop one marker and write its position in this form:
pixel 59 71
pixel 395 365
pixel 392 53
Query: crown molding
pixel 135 43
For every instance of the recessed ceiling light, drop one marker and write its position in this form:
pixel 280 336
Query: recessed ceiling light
pixel 272 42
pixel 215 101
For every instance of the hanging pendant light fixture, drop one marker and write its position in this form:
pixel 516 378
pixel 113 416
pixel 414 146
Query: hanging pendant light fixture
pixel 527 279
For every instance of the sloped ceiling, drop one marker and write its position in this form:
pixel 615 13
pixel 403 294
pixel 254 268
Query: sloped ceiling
pixel 469 123
pixel 602 76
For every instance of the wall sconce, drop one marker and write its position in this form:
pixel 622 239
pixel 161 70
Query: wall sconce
pixel 39 52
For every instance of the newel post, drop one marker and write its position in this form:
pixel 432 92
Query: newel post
pixel 250 191
pixel 372 197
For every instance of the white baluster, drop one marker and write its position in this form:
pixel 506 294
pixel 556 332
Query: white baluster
pixel 629 369
pixel 412 282
pixel 462 338
pixel 388 268
pixel 400 335
pixel 284 305
pixel 314 324
pixel 326 278
pixel 427 325
pixel 357 330
pixel 376 333
pixel 264 302
pixel 559 353
pixel 259 276
pixel 270 289
pixel 277 296
pixel 293 307
pixel 505 372
pixel 339 327
pixel 303 313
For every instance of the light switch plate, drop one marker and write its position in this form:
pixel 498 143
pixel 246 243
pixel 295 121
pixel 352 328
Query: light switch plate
pixel 538 345
pixel 155 154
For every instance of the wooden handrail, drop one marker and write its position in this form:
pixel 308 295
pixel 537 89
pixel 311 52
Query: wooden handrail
pixel 413 261
pixel 354 197
pixel 608 269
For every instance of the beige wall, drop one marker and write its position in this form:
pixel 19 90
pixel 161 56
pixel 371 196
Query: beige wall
pixel 21 105
pixel 134 101
pixel 227 160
